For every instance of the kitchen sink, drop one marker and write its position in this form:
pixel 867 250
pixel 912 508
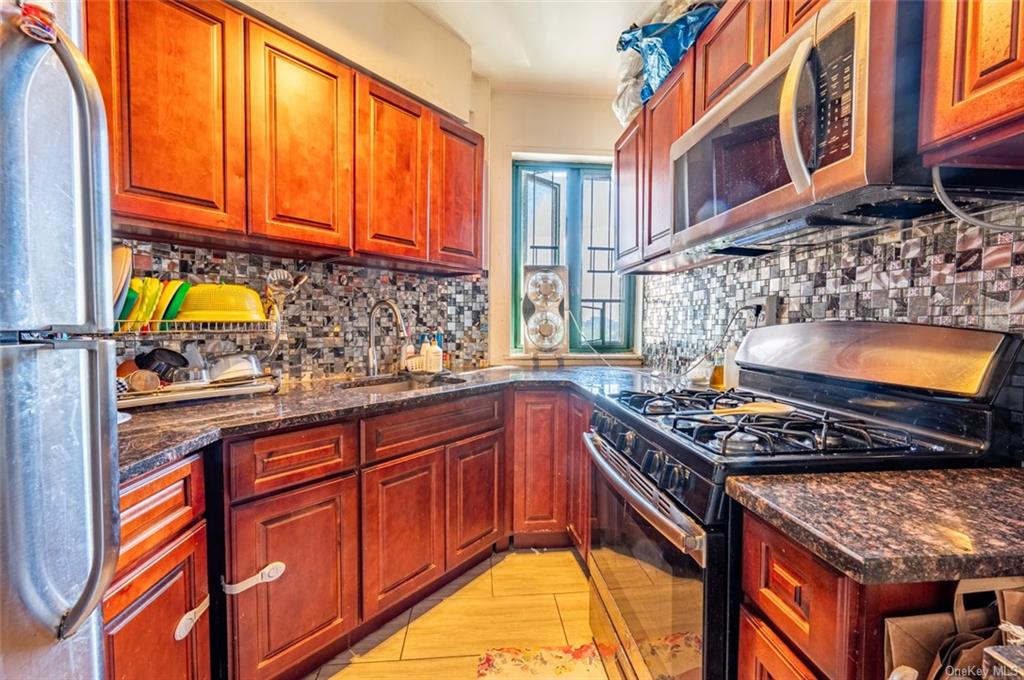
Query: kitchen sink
pixel 405 385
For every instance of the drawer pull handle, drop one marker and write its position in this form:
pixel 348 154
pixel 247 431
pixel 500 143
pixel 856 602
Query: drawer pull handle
pixel 269 573
pixel 188 621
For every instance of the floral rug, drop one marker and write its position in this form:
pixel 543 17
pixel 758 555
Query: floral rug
pixel 564 663
pixel 674 657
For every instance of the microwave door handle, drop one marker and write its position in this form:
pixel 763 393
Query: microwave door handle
pixel 789 132
pixel 94 179
pixel 104 513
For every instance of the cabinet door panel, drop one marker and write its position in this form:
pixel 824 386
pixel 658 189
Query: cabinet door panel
pixel 475 495
pixel 300 142
pixel 789 15
pixel 392 165
pixel 173 83
pixel 628 175
pixel 314 531
pixel 731 46
pixel 403 528
pixel 579 474
pixel 668 114
pixel 142 609
pixel 763 654
pixel 972 74
pixel 540 461
pixel 456 195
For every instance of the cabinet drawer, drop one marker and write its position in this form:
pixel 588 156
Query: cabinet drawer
pixel 393 434
pixel 143 610
pixel 258 466
pixel 804 598
pixel 763 654
pixel 157 507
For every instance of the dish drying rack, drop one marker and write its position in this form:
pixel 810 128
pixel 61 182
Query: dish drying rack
pixel 177 328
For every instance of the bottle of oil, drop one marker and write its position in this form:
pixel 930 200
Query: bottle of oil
pixel 718 373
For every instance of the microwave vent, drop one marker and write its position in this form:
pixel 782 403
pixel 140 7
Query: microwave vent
pixel 897 209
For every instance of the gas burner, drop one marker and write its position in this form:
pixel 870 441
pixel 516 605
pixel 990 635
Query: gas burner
pixel 736 442
pixel 658 406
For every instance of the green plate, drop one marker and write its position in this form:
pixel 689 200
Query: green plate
pixel 129 304
pixel 175 304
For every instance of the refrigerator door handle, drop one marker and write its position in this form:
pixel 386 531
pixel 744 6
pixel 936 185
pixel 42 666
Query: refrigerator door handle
pixel 104 514
pixel 94 169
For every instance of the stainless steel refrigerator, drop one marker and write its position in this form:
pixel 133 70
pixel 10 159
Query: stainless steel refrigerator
pixel 59 528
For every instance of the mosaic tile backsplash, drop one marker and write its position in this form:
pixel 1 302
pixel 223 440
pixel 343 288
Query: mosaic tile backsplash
pixel 945 273
pixel 326 324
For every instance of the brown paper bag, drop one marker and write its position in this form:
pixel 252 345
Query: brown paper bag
pixel 915 641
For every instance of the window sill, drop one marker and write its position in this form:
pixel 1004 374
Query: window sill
pixel 624 359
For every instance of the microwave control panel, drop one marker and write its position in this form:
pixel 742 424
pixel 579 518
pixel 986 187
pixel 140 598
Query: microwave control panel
pixel 835 94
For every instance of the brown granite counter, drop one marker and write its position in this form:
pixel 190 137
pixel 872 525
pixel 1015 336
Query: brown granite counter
pixel 159 435
pixel 898 527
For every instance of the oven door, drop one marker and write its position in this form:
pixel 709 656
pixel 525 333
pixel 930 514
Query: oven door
pixel 649 583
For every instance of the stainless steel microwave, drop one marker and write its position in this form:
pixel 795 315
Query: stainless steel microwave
pixel 818 143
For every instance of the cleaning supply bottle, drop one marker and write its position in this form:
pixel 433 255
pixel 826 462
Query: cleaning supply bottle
pixel 434 360
pixel 732 370
pixel 718 373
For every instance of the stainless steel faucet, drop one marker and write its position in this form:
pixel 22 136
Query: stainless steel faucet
pixel 372 365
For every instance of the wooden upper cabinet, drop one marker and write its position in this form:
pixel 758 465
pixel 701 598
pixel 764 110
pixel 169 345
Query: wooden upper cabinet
pixel 143 609
pixel 972 83
pixel 668 114
pixel 540 461
pixel 628 172
pixel 456 195
pixel 300 142
pixel 403 528
pixel 476 496
pixel 392 168
pixel 314 531
pixel 789 15
pixel 172 76
pixel 731 46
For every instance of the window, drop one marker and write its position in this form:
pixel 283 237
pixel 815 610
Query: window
pixel 562 214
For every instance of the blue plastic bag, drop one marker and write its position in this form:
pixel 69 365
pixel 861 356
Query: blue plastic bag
pixel 663 45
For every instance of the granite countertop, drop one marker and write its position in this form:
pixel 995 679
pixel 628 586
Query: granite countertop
pixel 159 435
pixel 898 527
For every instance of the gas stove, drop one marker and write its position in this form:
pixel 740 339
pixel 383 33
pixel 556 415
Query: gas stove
pixel 821 396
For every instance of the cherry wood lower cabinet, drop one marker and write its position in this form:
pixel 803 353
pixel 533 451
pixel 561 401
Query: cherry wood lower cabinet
pixel 476 496
pixel 540 461
pixel 802 615
pixel 764 655
pixel 313 530
pixel 143 615
pixel 578 522
pixel 403 527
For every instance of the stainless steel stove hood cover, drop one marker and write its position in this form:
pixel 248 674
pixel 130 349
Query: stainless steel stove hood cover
pixel 957 362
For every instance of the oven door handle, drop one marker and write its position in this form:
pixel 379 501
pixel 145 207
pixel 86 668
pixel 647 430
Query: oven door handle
pixel 690 543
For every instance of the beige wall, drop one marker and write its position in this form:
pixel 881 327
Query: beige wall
pixel 521 125
pixel 392 39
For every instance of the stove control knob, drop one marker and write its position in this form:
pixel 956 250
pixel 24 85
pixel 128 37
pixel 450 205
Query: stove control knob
pixel 629 442
pixel 623 439
pixel 596 420
pixel 654 462
pixel 677 481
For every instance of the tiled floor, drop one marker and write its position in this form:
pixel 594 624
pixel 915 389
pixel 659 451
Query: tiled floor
pixel 521 599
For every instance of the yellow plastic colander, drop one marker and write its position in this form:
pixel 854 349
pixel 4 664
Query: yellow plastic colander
pixel 221 302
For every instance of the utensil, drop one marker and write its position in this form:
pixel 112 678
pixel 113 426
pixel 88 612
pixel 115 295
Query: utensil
pixel 161 361
pixel 221 302
pixel 235 366
pixel 143 381
pixel 767 408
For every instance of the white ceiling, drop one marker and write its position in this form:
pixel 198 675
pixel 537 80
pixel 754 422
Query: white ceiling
pixel 557 46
